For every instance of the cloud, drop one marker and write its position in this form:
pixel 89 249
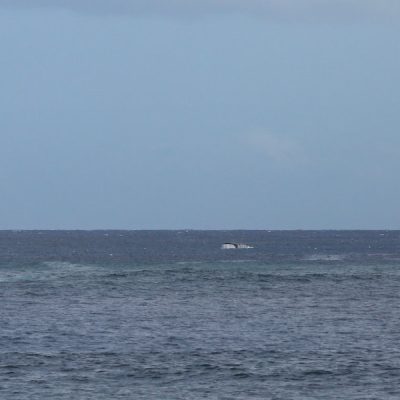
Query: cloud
pixel 280 150
pixel 285 9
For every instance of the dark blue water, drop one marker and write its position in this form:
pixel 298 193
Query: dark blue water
pixel 169 315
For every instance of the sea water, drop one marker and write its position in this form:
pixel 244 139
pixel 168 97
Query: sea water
pixel 170 315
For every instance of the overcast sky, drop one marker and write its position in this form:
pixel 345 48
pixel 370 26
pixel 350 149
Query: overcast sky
pixel 212 114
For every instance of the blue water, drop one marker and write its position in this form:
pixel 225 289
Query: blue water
pixel 169 315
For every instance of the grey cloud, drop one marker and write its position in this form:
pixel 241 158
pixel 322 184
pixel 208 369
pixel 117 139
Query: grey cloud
pixel 286 9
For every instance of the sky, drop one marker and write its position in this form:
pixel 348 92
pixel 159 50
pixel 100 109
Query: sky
pixel 212 114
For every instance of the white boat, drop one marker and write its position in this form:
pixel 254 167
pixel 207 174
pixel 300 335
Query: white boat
pixel 227 246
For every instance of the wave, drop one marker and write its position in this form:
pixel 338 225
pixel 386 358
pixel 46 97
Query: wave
pixel 42 271
pixel 325 257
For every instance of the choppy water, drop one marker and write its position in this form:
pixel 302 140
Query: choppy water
pixel 168 315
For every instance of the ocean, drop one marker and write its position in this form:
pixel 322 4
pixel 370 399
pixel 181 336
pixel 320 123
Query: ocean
pixel 170 315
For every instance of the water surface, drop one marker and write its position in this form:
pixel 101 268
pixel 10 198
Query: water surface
pixel 169 315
